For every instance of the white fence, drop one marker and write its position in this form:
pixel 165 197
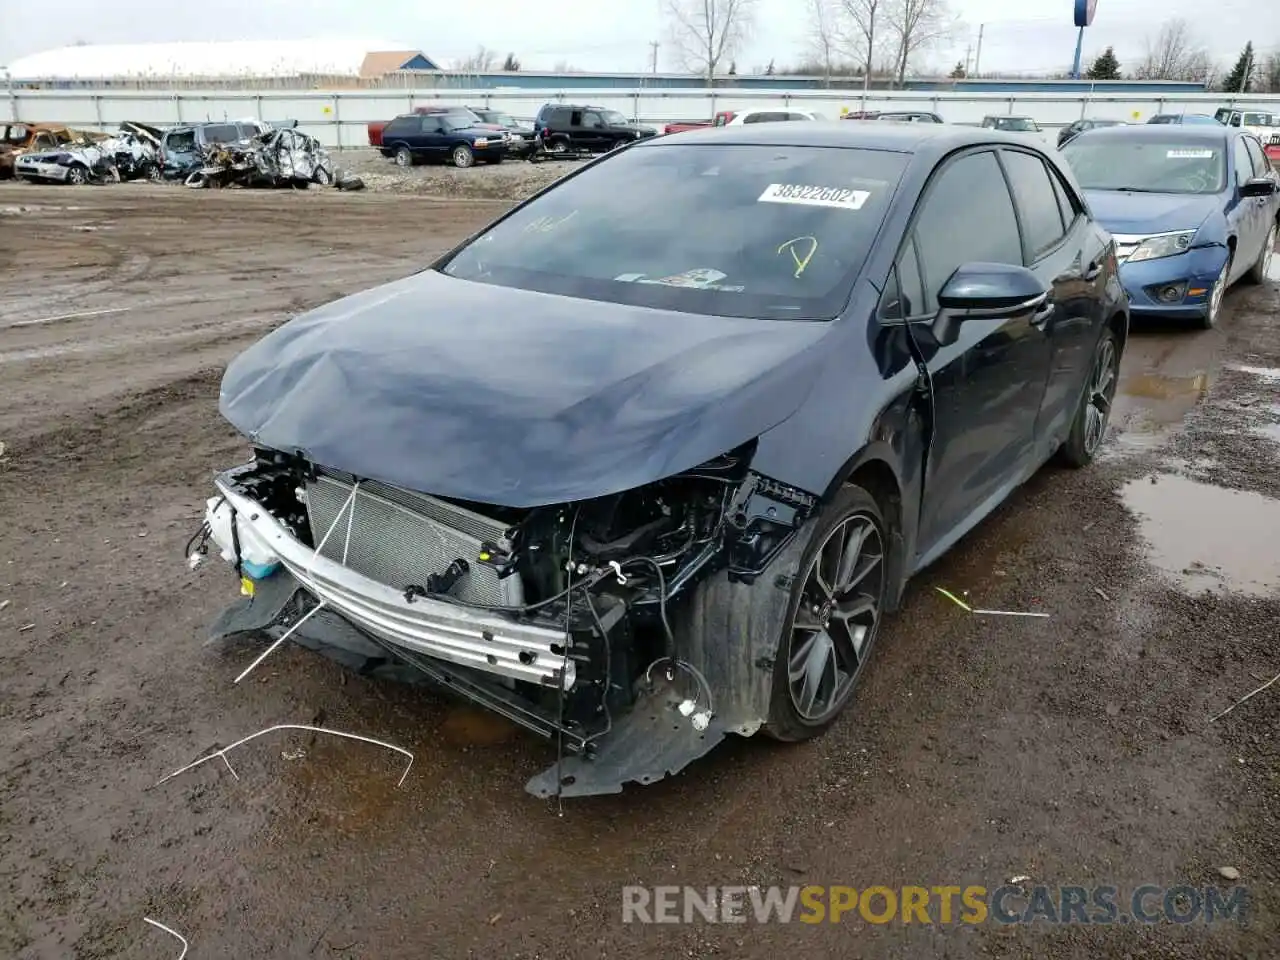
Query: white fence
pixel 338 117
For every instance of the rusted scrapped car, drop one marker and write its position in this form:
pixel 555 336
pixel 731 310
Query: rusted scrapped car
pixel 17 137
pixel 82 157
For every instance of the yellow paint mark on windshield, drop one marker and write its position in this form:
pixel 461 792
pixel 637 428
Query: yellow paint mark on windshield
pixel 800 262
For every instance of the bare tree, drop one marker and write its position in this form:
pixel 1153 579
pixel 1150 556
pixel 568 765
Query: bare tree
pixel 707 32
pixel 914 26
pixel 482 61
pixel 860 29
pixel 1173 55
pixel 1269 75
pixel 823 40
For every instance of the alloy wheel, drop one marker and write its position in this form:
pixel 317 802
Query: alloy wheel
pixel 836 618
pixel 403 157
pixel 78 175
pixel 1102 388
pixel 462 157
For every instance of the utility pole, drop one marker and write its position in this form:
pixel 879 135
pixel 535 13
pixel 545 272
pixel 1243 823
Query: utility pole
pixel 977 57
pixel 653 45
pixel 968 58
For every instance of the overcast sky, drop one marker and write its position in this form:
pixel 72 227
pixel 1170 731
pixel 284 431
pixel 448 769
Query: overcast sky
pixel 591 35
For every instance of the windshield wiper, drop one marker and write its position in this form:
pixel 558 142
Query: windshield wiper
pixel 1137 190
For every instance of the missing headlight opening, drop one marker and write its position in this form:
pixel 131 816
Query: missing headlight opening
pixel 573 619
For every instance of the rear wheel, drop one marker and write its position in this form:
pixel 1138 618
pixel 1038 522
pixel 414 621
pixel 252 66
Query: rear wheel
pixel 834 617
pixel 404 157
pixel 1090 424
pixel 1258 272
pixel 557 146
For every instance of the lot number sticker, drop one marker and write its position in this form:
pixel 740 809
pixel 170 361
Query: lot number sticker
pixel 1189 154
pixel 813 196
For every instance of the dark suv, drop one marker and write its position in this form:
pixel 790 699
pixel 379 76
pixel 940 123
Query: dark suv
pixel 456 138
pixel 564 126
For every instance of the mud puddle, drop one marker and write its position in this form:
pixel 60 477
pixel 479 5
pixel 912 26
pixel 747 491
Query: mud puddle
pixel 1207 537
pixel 1149 406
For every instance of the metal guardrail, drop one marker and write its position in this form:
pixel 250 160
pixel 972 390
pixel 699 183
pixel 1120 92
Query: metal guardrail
pixel 337 116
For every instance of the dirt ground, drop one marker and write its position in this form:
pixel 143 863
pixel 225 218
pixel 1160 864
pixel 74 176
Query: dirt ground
pixel 1073 750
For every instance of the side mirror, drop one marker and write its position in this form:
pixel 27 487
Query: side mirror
pixel 985 290
pixel 1258 187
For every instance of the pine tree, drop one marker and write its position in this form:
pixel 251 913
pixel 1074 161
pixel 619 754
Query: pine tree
pixel 1105 67
pixel 1238 79
pixel 958 73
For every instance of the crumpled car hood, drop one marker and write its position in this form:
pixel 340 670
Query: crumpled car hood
pixel 513 397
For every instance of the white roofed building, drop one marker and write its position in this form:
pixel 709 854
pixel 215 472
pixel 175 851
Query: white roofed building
pixel 217 61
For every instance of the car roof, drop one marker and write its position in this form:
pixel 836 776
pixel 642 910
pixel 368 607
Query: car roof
pixel 930 138
pixel 1190 133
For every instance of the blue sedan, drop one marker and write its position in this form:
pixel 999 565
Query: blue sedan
pixel 1193 209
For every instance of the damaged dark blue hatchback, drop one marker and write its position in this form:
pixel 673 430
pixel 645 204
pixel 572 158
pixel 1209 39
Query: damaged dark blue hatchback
pixel 647 461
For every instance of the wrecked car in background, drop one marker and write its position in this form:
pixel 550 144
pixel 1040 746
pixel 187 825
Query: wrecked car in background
pixel 184 149
pixel 759 377
pixel 17 138
pixel 274 158
pixel 83 157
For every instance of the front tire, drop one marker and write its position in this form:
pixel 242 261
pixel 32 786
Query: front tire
pixel 834 617
pixel 1216 295
pixel 1258 272
pixel 1089 427
pixel 404 157
pixel 462 156
pixel 78 175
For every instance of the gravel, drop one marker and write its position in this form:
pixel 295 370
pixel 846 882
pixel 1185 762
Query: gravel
pixel 510 180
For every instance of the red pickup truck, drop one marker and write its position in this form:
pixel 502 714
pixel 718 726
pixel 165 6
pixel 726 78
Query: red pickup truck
pixel 376 127
pixel 721 118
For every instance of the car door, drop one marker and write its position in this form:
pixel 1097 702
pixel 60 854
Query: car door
pixel 1064 250
pixel 432 138
pixel 1262 168
pixel 1248 215
pixel 987 387
pixel 596 136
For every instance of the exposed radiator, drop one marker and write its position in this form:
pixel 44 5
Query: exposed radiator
pixel 399 537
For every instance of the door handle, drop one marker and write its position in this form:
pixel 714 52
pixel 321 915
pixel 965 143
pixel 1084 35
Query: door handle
pixel 1042 315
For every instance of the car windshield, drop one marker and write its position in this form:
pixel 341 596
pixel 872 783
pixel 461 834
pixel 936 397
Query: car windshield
pixel 725 229
pixel 1017 124
pixel 221 133
pixel 1198 118
pixel 614 119
pixel 1148 166
pixel 180 141
pixel 453 121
